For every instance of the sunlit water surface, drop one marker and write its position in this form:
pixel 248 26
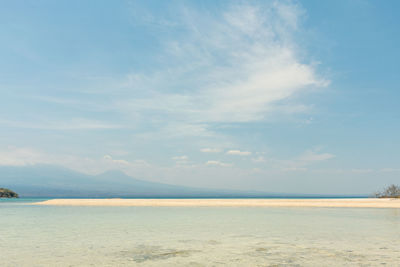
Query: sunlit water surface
pixel 197 236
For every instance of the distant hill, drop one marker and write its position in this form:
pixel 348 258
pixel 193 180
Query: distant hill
pixel 55 181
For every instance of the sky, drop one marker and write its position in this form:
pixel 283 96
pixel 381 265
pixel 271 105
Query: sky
pixel 277 96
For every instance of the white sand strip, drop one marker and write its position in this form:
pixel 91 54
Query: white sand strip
pixel 339 203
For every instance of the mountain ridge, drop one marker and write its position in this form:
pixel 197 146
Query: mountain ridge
pixel 57 181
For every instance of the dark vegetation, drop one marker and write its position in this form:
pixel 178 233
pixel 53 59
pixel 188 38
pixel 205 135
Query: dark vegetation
pixel 392 191
pixel 7 193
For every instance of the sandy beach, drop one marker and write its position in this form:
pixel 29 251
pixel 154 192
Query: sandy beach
pixel 339 203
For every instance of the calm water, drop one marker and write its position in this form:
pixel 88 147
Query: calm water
pixel 200 236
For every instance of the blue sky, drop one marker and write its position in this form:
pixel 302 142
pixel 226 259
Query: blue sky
pixel 279 96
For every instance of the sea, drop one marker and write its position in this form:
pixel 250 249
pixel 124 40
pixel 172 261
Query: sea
pixel 196 236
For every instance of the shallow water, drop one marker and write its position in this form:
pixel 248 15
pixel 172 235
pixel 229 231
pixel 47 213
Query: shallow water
pixel 197 236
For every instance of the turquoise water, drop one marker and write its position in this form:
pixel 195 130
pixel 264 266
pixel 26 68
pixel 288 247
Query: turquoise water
pixel 196 236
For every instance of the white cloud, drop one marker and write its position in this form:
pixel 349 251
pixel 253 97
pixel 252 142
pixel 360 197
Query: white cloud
pixel 141 162
pixel 241 66
pixel 238 153
pixel 259 159
pixel 313 156
pixel 180 158
pixel 362 170
pixel 118 161
pixel 210 150
pixel 309 157
pixel 294 169
pixel 299 163
pixel 218 163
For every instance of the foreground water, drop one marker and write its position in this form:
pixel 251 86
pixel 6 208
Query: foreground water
pixel 197 236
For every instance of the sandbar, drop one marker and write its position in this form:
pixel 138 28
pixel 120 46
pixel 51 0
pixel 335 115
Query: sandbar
pixel 333 203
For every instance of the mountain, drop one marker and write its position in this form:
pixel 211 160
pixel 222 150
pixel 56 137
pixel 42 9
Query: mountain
pixel 55 181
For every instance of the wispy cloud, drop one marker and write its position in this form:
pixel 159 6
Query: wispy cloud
pixel 294 169
pixel 240 66
pixel 218 163
pixel 298 163
pixel 314 156
pixel 259 159
pixel 210 150
pixel 362 170
pixel 118 161
pixel 180 158
pixel 238 153
pixel 307 158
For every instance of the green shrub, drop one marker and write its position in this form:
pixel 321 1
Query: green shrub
pixel 392 191
pixel 7 193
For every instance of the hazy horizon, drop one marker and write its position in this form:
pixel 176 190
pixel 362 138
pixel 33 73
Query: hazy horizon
pixel 51 181
pixel 274 96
